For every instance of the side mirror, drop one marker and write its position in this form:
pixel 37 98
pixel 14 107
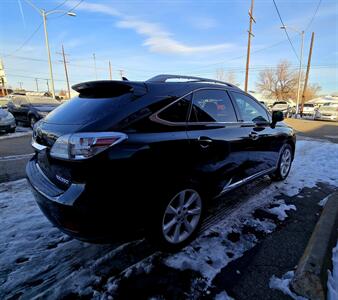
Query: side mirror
pixel 277 116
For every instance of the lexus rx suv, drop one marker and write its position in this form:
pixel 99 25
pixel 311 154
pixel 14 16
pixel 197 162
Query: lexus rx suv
pixel 147 157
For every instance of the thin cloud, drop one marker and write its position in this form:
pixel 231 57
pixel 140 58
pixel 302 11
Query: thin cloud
pixel 156 38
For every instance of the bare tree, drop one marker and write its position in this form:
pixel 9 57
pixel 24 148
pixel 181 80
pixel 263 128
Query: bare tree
pixel 231 78
pixel 220 75
pixel 281 83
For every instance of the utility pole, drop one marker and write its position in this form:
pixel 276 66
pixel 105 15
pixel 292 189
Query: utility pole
pixel 249 45
pixel 47 85
pixel 110 73
pixel 66 69
pixel 121 74
pixel 37 84
pixel 95 66
pixel 300 73
pixel 307 72
pixel 20 83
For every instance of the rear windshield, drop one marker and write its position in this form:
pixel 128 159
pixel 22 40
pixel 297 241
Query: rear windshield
pixel 308 105
pixel 86 110
pixel 281 102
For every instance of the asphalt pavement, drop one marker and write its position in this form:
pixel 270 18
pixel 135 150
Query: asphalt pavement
pixel 248 277
pixel 15 151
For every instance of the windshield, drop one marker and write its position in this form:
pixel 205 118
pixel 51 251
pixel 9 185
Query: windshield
pixel 308 105
pixel 280 103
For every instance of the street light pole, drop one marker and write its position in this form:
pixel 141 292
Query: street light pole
pixel 300 72
pixel 44 17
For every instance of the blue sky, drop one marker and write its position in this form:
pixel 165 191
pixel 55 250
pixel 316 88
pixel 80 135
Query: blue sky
pixel 145 38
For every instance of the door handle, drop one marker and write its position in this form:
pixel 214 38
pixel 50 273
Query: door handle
pixel 253 135
pixel 204 141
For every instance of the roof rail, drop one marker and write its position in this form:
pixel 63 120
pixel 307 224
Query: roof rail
pixel 165 77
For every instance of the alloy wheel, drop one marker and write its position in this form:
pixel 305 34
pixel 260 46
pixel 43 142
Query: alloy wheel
pixel 285 162
pixel 182 216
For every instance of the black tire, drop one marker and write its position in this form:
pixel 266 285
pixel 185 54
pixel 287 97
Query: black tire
pixel 32 121
pixel 280 174
pixel 155 227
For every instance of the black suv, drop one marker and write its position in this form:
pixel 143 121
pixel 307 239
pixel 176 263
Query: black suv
pixel 125 156
pixel 30 109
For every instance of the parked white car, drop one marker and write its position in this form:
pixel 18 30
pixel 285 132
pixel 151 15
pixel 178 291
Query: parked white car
pixel 309 110
pixel 328 111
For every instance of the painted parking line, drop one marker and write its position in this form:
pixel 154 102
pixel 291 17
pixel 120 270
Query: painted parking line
pixel 16 157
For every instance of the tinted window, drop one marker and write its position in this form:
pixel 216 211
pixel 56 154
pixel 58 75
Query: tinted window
pixel 212 106
pixel 176 112
pixel 250 110
pixel 85 110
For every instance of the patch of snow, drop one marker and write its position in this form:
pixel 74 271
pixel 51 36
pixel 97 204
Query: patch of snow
pixel 283 285
pixel 280 211
pixel 223 296
pixel 323 201
pixel 332 281
pixel 266 226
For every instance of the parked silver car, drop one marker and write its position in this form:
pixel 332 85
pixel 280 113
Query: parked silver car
pixel 284 107
pixel 328 111
pixel 7 121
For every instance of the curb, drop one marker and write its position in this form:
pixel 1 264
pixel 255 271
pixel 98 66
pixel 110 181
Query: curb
pixel 311 274
pixel 15 135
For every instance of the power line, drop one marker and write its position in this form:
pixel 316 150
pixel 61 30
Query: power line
pixel 61 4
pixel 26 41
pixel 314 15
pixel 70 10
pixel 284 27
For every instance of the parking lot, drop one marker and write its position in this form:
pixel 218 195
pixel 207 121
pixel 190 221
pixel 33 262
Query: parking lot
pixel 256 233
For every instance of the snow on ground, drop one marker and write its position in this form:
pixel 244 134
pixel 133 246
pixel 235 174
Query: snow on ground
pixel 323 201
pixel 280 210
pixel 283 285
pixel 332 281
pixel 322 155
pixel 37 259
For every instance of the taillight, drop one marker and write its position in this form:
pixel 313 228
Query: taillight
pixel 79 146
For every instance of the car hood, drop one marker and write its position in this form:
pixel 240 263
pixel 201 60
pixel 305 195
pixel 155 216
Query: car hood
pixel 4 114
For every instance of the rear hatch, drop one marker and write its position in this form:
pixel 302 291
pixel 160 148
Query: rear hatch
pixel 98 108
pixel 95 109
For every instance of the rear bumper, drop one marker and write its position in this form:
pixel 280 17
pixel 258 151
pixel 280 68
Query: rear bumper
pixel 73 212
pixel 327 118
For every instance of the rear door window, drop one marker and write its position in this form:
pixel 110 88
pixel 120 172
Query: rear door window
pixel 212 106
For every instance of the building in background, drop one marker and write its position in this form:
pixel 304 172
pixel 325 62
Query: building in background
pixel 3 80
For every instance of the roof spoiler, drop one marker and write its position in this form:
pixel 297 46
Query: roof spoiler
pixel 109 88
